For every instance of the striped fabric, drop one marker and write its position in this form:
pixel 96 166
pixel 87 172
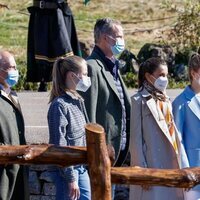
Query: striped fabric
pixel 169 120
pixel 121 96
pixel 66 121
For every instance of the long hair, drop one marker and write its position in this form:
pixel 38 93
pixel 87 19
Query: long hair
pixel 150 66
pixel 193 64
pixel 60 69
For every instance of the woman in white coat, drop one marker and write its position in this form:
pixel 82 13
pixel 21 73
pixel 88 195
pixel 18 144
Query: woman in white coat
pixel 154 142
pixel 186 109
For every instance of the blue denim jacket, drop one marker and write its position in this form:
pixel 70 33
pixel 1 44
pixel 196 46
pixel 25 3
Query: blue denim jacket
pixel 66 121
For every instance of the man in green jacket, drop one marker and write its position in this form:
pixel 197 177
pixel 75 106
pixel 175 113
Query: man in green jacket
pixel 107 101
pixel 13 178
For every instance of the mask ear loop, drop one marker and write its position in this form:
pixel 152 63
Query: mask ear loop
pixel 111 38
pixel 3 70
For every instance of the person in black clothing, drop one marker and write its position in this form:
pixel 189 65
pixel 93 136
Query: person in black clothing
pixel 51 34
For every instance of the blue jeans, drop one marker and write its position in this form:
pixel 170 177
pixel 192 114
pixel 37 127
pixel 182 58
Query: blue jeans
pixel 82 178
pixel 113 191
pixel 83 181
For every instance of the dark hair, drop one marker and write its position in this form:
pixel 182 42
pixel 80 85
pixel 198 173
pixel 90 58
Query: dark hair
pixel 194 64
pixel 104 25
pixel 150 66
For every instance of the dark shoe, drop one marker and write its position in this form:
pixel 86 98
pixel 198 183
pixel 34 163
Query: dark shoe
pixel 42 87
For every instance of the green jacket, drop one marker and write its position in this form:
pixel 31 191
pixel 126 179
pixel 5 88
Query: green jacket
pixel 13 178
pixel 103 104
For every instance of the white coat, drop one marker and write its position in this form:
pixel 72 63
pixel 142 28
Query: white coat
pixel 151 147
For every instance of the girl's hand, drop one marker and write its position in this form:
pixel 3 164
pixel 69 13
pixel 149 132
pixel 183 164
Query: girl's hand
pixel 74 192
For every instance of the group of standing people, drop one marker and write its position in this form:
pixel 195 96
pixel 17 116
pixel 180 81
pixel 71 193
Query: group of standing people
pixel 157 134
pixel 102 99
pixel 165 136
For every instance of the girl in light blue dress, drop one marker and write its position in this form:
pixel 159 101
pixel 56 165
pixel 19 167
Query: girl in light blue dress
pixel 186 109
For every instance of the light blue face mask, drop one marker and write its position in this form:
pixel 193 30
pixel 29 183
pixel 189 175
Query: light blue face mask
pixel 12 78
pixel 118 47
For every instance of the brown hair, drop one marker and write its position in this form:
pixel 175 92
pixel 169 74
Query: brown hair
pixel 104 26
pixel 193 64
pixel 150 66
pixel 61 67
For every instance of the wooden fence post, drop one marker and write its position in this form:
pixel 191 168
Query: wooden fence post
pixel 99 162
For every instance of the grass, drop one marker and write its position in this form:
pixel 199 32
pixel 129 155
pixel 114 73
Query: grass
pixel 14 22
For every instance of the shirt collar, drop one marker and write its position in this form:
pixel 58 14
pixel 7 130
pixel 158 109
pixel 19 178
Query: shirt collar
pixel 146 94
pixel 189 93
pixel 74 95
pixel 111 63
pixel 5 90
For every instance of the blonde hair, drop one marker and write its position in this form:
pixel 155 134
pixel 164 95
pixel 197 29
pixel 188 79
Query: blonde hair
pixel 193 64
pixel 61 67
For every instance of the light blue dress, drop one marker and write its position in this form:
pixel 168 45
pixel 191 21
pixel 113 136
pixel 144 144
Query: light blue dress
pixel 186 110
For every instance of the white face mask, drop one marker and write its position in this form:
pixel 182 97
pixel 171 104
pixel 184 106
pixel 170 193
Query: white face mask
pixel 83 84
pixel 161 83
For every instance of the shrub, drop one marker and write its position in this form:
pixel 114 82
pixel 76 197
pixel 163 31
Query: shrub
pixel 185 35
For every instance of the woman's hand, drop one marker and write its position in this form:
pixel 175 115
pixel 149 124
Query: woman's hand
pixel 74 192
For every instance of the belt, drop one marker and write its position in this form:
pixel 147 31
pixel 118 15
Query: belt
pixel 45 5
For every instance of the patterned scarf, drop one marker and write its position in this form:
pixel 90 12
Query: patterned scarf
pixel 163 105
pixel 155 93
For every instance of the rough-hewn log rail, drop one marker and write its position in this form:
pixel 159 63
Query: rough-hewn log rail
pixel 97 158
pixel 43 154
pixel 181 178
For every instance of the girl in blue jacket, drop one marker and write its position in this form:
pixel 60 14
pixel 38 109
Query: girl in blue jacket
pixel 66 119
pixel 186 109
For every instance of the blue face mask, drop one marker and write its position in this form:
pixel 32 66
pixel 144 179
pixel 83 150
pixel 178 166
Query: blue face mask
pixel 118 47
pixel 12 78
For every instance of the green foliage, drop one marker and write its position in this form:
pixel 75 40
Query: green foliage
pixel 14 24
pixel 22 84
pixel 173 83
pixel 185 36
pixel 130 79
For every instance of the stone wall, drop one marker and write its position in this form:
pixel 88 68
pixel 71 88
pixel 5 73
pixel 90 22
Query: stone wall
pixel 40 184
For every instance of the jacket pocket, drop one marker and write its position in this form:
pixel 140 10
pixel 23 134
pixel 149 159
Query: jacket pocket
pixel 76 138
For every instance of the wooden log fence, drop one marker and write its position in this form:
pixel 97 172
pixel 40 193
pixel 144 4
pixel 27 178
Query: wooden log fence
pixel 97 156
